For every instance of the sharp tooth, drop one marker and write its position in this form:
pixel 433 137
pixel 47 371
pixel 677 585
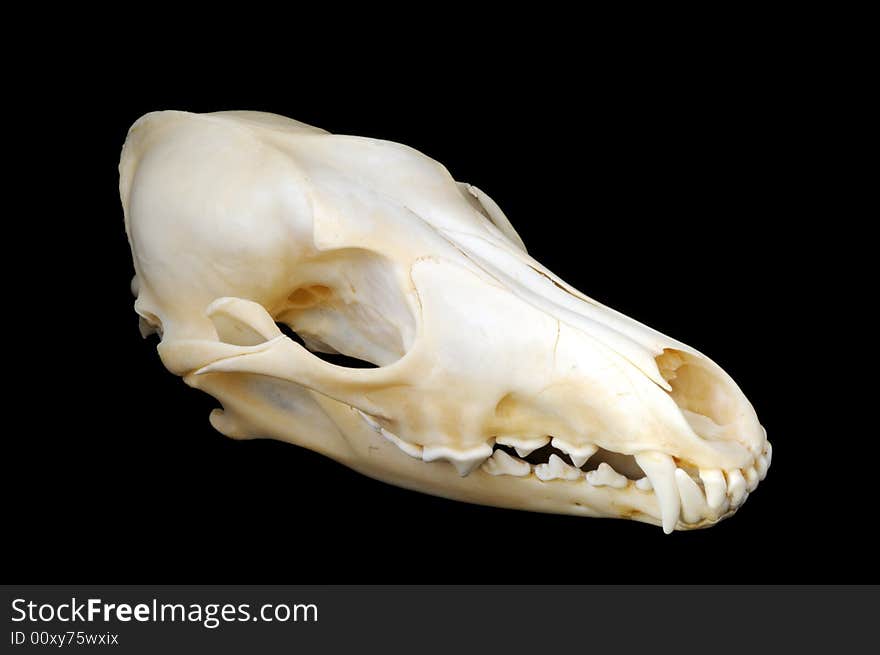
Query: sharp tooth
pixel 736 487
pixel 644 484
pixel 410 449
pixel 752 479
pixel 660 469
pixel 716 488
pixel 605 476
pixel 579 454
pixel 463 460
pixel 693 503
pixel 524 447
pixel 556 468
pixel 503 464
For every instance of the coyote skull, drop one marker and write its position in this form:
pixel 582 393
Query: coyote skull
pixel 495 382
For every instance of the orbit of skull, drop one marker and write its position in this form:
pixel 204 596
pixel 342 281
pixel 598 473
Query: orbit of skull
pixel 492 380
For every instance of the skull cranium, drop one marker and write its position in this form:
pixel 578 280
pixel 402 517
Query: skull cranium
pixel 493 382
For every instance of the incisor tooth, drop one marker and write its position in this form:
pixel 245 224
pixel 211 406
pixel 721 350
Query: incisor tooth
pixel 716 488
pixel 660 469
pixel 763 463
pixel 605 476
pixel 693 504
pixel 579 454
pixel 464 461
pixel 523 446
pixel 752 479
pixel 556 468
pixel 736 487
pixel 503 464
pixel 644 484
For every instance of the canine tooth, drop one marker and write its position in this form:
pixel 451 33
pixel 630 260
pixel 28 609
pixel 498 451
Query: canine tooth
pixel 605 476
pixel 644 484
pixel 716 488
pixel 410 449
pixel 736 487
pixel 556 468
pixel 752 479
pixel 660 469
pixel 523 446
pixel 579 454
pixel 463 460
pixel 693 503
pixel 503 464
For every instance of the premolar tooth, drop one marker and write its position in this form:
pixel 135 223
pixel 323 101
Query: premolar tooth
pixel 503 464
pixel 605 476
pixel 556 468
pixel 736 487
pixel 578 454
pixel 523 446
pixel 716 488
pixel 644 484
pixel 752 479
pixel 463 460
pixel 693 503
pixel 660 469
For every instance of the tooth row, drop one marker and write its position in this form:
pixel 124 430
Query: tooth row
pixel 679 496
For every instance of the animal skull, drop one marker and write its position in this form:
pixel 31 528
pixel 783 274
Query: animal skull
pixel 495 381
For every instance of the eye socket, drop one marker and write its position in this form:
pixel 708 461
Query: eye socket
pixel 337 359
pixel 350 301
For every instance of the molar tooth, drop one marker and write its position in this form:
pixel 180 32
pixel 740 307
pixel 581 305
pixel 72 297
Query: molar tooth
pixel 605 476
pixel 752 479
pixel 644 484
pixel 463 460
pixel 736 487
pixel 716 488
pixel 693 503
pixel 523 446
pixel 503 464
pixel 660 469
pixel 556 468
pixel 579 454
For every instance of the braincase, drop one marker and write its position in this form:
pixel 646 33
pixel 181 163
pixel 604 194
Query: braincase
pixel 399 174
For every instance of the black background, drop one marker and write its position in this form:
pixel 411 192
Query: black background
pixel 667 182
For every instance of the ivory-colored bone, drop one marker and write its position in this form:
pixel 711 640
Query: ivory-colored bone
pixel 494 382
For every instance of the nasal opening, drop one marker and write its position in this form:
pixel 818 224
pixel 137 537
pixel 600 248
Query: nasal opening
pixel 708 399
